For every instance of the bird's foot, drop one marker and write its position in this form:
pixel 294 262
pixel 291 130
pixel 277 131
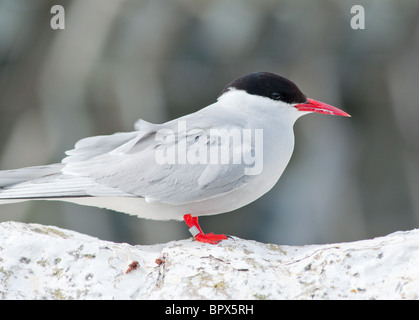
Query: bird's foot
pixel 210 238
pixel 197 232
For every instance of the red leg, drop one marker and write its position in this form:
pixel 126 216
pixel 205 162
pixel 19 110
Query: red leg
pixel 197 232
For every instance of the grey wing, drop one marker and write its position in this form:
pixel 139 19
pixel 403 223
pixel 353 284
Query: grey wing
pixel 91 147
pixel 16 176
pixel 49 181
pixel 163 164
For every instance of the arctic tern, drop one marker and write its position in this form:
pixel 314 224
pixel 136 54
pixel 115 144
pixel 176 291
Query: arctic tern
pixel 215 160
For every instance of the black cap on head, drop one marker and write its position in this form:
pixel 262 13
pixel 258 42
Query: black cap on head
pixel 269 85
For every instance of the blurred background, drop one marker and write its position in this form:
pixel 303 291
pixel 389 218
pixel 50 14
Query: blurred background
pixel 120 60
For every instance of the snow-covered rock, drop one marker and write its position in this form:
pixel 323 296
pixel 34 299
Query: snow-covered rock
pixel 44 262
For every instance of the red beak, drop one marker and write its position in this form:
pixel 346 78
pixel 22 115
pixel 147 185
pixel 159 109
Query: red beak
pixel 320 107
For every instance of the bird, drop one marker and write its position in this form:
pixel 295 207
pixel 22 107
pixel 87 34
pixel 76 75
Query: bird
pixel 215 160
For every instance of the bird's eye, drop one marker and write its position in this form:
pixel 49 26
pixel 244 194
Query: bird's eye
pixel 275 96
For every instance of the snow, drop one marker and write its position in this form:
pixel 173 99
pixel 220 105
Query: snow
pixel 46 262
